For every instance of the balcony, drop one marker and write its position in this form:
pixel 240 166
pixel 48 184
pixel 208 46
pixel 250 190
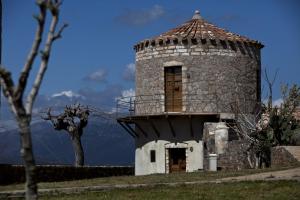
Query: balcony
pixel 188 104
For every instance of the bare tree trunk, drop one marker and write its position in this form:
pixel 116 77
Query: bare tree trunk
pixel 78 150
pixel 1 14
pixel 28 158
pixel 249 160
pixel 15 92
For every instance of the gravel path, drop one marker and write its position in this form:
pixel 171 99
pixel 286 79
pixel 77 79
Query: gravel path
pixel 290 174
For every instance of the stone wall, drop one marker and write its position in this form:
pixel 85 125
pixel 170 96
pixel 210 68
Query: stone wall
pixel 280 157
pixel 234 157
pixel 213 77
pixel 16 174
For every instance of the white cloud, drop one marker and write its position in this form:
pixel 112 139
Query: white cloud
pixel 129 72
pixel 97 76
pixel 68 93
pixel 277 102
pixel 128 93
pixel 141 17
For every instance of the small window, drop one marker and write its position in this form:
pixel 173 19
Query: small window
pixel 152 155
pixel 194 41
pixel 185 42
pixel 175 41
pixel 213 42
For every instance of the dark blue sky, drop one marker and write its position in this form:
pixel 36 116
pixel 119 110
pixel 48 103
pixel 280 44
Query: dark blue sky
pixel 96 51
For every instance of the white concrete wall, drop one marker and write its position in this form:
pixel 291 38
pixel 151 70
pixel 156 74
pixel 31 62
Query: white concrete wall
pixel 194 157
pixel 144 166
pixel 183 138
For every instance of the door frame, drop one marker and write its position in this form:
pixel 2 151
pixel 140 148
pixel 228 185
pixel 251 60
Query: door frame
pixel 184 151
pixel 175 146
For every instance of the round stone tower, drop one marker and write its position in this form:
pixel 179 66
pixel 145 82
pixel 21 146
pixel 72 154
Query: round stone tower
pixel 187 81
pixel 197 68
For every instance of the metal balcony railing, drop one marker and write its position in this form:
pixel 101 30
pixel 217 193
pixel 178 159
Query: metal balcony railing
pixel 189 103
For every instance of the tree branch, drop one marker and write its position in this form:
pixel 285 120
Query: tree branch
pixel 8 87
pixel 58 34
pixel 45 55
pixel 34 50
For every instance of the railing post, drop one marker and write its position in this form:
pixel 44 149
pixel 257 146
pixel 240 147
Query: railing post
pixel 134 105
pixel 117 108
pixel 130 106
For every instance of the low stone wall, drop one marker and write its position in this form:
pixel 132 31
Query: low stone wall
pixel 280 157
pixel 16 174
pixel 234 157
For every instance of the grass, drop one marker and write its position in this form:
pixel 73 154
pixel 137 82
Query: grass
pixel 157 178
pixel 275 190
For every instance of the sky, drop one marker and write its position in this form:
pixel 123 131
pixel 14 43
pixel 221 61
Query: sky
pixel 95 56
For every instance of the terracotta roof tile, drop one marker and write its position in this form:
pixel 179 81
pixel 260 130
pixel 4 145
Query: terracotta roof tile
pixel 197 27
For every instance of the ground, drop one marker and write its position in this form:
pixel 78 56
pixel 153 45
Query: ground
pixel 245 184
pixel 275 190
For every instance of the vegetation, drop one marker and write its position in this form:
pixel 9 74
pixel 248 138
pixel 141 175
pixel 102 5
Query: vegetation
pixel 275 190
pixel 283 125
pixel 149 179
pixel 268 125
pixel 73 120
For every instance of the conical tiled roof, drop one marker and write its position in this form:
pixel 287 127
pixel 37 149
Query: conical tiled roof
pixel 198 28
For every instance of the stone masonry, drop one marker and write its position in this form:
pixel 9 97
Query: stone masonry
pixel 214 74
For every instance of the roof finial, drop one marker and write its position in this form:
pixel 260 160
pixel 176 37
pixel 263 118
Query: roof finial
pixel 197 15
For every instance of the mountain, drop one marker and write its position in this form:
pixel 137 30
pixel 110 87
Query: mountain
pixel 104 143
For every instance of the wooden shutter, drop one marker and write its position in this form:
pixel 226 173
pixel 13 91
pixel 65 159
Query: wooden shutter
pixel 173 89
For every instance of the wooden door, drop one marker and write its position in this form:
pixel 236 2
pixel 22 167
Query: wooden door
pixel 173 89
pixel 177 160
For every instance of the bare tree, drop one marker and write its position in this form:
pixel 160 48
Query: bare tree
pixel 14 92
pixel 252 128
pixel 73 120
pixel 1 14
pixel 270 84
pixel 249 121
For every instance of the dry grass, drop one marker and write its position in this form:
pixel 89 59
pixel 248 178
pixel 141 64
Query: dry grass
pixel 273 190
pixel 156 178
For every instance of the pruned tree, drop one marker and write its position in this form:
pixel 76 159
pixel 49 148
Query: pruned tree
pixel 252 128
pixel 73 120
pixel 14 92
pixel 250 123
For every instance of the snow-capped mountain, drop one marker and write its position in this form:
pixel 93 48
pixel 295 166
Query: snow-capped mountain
pixel 104 141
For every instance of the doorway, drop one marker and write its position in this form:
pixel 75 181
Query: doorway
pixel 177 160
pixel 173 89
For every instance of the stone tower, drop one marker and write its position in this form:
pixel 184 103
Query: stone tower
pixel 190 75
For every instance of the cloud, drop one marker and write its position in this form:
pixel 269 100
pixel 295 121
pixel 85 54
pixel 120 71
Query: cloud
pixel 67 93
pixel 140 17
pixel 277 102
pixel 128 93
pixel 97 76
pixel 104 99
pixel 129 72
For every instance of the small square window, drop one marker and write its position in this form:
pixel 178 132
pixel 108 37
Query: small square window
pixel 152 155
